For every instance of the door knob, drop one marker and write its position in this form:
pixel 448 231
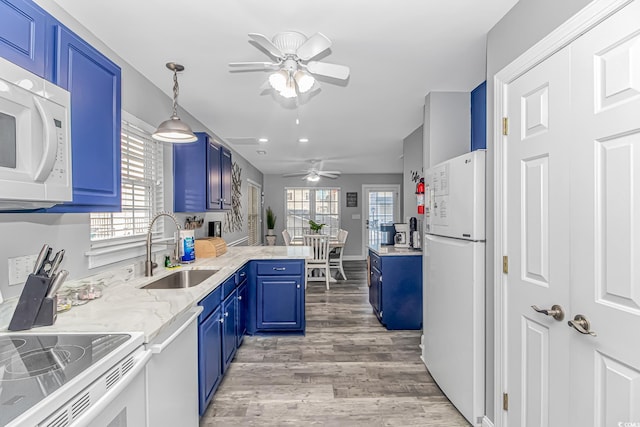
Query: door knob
pixel 582 325
pixel 555 311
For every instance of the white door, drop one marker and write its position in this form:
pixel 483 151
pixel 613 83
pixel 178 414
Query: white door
pixel 605 222
pixel 537 184
pixel 253 213
pixel 572 171
pixel 380 206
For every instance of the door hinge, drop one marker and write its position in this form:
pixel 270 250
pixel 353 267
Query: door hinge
pixel 505 126
pixel 505 264
pixel 505 401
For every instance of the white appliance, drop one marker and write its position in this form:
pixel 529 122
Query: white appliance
pixel 73 379
pixel 172 374
pixel 401 238
pixel 35 143
pixel 453 282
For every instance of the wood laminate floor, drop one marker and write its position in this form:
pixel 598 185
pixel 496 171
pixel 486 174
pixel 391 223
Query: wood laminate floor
pixel 348 370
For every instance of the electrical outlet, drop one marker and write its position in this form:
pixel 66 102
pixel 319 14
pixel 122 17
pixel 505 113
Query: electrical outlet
pixel 20 268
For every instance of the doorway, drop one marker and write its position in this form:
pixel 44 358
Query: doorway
pixel 254 221
pixel 566 225
pixel 380 206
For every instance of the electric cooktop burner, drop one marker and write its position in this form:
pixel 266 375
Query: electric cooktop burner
pixel 34 366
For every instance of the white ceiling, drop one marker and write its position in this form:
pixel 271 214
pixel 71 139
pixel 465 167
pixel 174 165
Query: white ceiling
pixel 398 51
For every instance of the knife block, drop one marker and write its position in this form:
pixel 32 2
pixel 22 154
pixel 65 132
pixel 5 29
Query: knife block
pixel 32 302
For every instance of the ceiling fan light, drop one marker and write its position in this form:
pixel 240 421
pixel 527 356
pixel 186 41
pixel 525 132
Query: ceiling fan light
pixel 313 178
pixel 289 90
pixel 278 80
pixel 304 81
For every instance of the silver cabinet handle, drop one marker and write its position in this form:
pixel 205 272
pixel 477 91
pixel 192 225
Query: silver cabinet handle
pixel 298 286
pixel 240 298
pixel 222 320
pixel 582 325
pixel 226 314
pixel 279 268
pixel 243 274
pixel 555 311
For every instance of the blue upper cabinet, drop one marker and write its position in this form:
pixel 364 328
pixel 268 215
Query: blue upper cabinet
pixel 201 171
pixel 94 82
pixel 479 117
pixel 24 37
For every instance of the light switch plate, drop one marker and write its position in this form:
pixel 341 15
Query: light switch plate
pixel 20 268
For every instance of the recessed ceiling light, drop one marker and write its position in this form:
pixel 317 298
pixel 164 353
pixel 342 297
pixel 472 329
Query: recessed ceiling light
pixel 263 140
pixel 261 152
pixel 303 140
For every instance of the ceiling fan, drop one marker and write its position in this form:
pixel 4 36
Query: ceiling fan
pixel 314 173
pixel 293 67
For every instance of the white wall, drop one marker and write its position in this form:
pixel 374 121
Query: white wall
pixel 412 162
pixel 24 234
pixel 447 126
pixel 274 186
pixel 524 25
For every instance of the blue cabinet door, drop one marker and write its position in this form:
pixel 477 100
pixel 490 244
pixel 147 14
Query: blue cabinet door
pixel 280 302
pixel 229 334
pixel 190 175
pixel 24 37
pixel 209 358
pixel 94 82
pixel 226 170
pixel 214 162
pixel 243 298
pixel 479 117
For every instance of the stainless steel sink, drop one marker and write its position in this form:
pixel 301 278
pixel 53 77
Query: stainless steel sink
pixel 181 279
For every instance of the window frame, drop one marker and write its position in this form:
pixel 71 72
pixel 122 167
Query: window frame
pixel 313 214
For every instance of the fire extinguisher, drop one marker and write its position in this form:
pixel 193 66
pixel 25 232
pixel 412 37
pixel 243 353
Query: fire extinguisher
pixel 420 195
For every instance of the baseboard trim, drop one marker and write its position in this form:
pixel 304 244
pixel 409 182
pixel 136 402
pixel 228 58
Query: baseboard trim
pixel 486 422
pixel 353 258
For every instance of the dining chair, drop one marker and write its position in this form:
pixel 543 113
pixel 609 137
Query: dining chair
pixel 335 256
pixel 320 248
pixel 287 237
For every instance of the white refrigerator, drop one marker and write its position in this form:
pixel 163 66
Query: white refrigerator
pixel 453 282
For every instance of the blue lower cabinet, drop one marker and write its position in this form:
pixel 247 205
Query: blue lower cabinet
pixel 243 299
pixel 280 303
pixel 209 357
pixel 229 334
pixel 395 290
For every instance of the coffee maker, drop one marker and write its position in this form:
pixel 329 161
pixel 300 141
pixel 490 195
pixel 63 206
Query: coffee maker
pixel 414 233
pixel 401 237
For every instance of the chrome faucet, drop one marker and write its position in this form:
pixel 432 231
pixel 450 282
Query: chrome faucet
pixel 148 264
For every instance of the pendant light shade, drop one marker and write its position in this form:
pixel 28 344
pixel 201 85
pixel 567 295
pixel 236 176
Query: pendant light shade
pixel 174 130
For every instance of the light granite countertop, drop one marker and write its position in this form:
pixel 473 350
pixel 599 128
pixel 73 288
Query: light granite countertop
pixel 124 307
pixel 390 250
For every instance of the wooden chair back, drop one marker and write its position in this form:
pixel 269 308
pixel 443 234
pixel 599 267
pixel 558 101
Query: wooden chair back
pixel 287 237
pixel 320 245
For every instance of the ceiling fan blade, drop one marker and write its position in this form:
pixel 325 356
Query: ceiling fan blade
pixel 330 70
pixel 314 45
pixel 266 44
pixel 332 172
pixel 328 175
pixel 254 66
pixel 295 174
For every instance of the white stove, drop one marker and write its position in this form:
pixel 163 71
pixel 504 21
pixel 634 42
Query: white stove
pixel 67 379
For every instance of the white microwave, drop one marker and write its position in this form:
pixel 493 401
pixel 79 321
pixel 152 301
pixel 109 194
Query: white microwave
pixel 35 143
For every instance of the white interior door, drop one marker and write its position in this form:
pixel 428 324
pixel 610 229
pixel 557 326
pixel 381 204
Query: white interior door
pixel 605 219
pixel 572 210
pixel 537 184
pixel 253 214
pixel 380 205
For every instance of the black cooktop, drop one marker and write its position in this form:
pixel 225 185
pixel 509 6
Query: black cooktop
pixel 34 366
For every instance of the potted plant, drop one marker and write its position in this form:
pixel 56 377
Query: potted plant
pixel 315 227
pixel 271 222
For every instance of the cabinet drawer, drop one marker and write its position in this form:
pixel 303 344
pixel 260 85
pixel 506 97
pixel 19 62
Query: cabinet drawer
pixel 242 274
pixel 279 268
pixel 210 303
pixel 375 261
pixel 228 286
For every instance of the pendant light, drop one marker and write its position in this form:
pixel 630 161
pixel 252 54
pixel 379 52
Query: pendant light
pixel 174 130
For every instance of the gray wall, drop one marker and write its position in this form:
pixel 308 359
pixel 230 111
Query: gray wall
pixel 24 234
pixel 412 162
pixel 274 186
pixel 447 126
pixel 526 23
